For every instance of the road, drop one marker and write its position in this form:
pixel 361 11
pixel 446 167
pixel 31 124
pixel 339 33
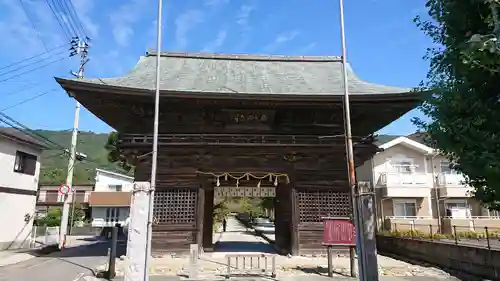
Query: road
pixel 70 264
pixel 238 238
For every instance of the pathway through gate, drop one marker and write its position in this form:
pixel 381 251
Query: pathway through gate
pixel 238 238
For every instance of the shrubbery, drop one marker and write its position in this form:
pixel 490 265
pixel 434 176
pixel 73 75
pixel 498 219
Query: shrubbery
pixel 424 235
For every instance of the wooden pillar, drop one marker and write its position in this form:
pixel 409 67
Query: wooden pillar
pixel 200 213
pixel 208 218
pixel 294 249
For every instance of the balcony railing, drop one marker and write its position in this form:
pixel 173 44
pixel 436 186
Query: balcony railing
pixel 450 180
pixel 401 179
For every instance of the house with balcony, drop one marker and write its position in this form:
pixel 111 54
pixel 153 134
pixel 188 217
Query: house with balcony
pixel 110 200
pixel 19 172
pixel 416 189
pixel 49 198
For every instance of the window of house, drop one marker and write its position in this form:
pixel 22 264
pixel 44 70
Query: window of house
pixel 457 209
pixel 445 167
pixel 25 163
pixel 112 215
pixel 405 208
pixel 402 165
pixel 108 214
pixel 115 187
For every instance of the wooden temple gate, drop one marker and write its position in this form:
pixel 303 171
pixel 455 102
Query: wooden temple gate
pixel 185 193
pixel 242 113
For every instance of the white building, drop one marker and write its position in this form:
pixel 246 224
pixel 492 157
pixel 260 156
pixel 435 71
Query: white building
pixel 415 186
pixel 110 200
pixel 19 171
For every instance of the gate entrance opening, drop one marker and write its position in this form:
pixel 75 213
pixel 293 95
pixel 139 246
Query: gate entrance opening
pixel 253 206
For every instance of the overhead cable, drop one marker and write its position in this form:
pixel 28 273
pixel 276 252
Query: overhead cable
pixel 23 6
pixel 28 99
pixel 35 56
pixel 27 65
pixel 31 70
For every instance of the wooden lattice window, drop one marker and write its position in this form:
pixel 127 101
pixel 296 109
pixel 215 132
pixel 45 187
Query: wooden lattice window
pixel 316 204
pixel 175 206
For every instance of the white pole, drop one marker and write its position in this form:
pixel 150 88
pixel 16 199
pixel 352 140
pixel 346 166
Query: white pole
pixel 72 155
pixel 155 143
pixel 69 179
pixel 350 152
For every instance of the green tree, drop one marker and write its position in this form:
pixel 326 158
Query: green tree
pixel 53 217
pixel 114 154
pixel 464 78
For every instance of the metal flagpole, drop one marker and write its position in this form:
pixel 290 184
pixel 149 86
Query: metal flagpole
pixel 155 144
pixel 349 149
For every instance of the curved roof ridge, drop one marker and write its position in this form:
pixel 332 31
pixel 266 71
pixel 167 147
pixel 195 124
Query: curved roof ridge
pixel 246 57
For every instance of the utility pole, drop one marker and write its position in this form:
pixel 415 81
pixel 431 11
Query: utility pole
pixel 78 47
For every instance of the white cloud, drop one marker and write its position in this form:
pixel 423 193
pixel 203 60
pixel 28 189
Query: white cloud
pixel 123 19
pixel 83 8
pixel 185 23
pixel 243 21
pixel 282 38
pixel 243 15
pixel 17 31
pixel 217 42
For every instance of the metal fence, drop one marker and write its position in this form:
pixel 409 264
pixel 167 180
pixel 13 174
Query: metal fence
pixel 482 237
pixel 49 235
pixel 44 236
pixel 251 265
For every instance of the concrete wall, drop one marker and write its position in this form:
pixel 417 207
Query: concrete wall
pixel 478 262
pixel 16 210
pixel 9 178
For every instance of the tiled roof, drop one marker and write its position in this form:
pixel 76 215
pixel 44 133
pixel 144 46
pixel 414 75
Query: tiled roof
pixel 253 74
pixel 381 139
pixel 17 135
pixel 418 137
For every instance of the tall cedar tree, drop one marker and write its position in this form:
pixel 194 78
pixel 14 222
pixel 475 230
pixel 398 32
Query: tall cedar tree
pixel 464 77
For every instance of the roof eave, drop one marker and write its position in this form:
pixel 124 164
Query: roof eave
pixel 33 144
pixel 73 85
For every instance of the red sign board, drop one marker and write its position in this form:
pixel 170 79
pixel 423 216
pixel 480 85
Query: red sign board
pixel 338 232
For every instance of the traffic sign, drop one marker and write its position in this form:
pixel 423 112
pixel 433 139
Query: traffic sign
pixel 64 189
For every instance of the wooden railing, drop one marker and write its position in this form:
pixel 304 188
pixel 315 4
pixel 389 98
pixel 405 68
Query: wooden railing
pixel 234 139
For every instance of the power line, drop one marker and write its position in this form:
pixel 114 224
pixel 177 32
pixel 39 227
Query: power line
pixel 78 20
pixel 71 19
pixel 27 65
pixel 28 99
pixel 31 70
pixel 32 24
pixel 32 57
pixel 28 133
pixel 29 86
pixel 11 122
pixel 55 13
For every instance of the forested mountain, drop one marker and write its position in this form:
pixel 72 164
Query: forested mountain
pixel 55 163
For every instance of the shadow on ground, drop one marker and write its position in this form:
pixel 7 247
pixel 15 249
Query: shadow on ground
pixel 241 246
pixel 319 270
pixel 98 248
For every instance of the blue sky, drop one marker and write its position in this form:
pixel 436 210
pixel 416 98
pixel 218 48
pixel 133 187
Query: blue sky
pixel 383 44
